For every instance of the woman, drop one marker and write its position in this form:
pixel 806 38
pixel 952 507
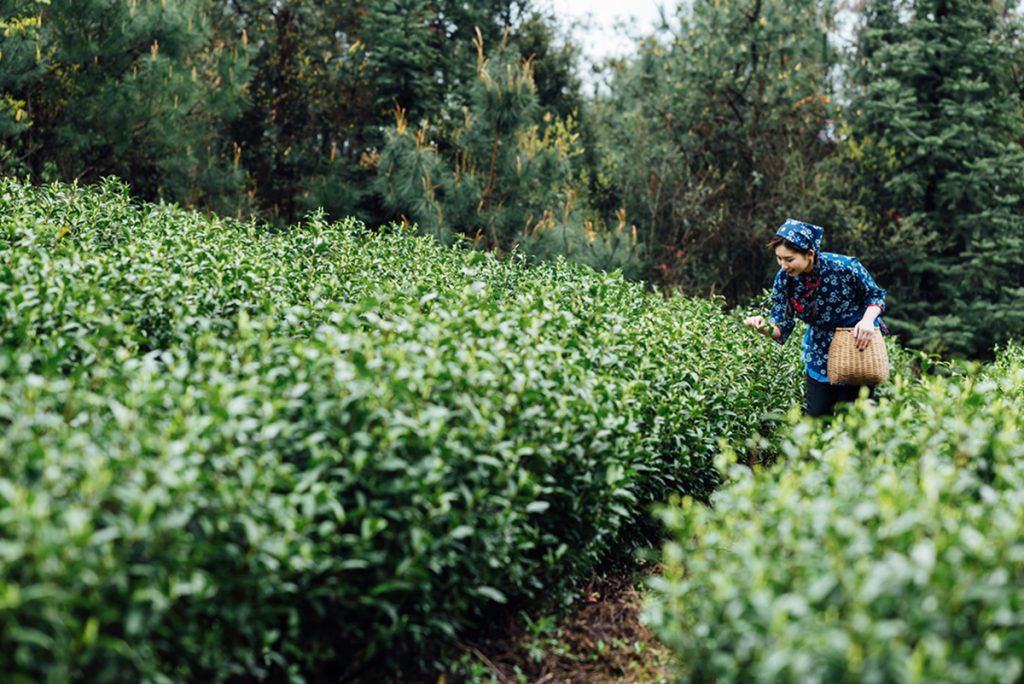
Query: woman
pixel 827 291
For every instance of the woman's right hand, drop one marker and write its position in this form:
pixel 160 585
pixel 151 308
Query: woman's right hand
pixel 760 324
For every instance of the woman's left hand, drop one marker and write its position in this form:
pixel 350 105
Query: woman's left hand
pixel 862 333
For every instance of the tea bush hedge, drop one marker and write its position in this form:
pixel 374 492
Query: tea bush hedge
pixel 230 452
pixel 888 547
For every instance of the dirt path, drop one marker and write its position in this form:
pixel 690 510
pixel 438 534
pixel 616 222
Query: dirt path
pixel 600 641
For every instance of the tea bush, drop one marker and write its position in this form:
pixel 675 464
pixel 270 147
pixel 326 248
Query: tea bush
pixel 231 452
pixel 887 547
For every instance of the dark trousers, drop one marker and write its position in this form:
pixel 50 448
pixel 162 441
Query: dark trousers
pixel 823 397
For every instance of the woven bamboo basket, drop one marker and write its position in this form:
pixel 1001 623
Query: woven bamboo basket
pixel 849 366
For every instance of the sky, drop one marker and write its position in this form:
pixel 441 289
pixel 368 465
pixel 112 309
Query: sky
pixel 615 24
pixel 606 38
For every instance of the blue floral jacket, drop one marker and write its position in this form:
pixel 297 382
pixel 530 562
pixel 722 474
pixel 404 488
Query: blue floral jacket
pixel 835 295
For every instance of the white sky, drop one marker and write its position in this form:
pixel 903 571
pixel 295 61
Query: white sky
pixel 614 26
pixel 614 23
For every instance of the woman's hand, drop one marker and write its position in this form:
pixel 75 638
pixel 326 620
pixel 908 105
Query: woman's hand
pixel 862 333
pixel 761 325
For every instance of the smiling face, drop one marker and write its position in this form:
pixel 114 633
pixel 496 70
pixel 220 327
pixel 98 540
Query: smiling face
pixel 794 263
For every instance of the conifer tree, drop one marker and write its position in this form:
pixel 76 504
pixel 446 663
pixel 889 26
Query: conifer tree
pixel 21 64
pixel 936 156
pixel 503 176
pixel 310 98
pixel 497 173
pixel 328 79
pixel 138 89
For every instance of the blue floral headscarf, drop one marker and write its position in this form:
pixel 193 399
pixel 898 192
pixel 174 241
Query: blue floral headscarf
pixel 803 235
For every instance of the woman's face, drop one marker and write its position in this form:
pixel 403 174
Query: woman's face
pixel 794 263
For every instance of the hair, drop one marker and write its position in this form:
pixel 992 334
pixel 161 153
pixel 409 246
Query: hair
pixel 779 240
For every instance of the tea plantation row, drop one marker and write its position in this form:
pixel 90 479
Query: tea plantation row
pixel 230 453
pixel 888 547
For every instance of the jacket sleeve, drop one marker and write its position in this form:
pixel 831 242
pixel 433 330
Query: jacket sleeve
pixel 779 313
pixel 866 285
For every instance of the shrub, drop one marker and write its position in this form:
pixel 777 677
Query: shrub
pixel 887 547
pixel 232 452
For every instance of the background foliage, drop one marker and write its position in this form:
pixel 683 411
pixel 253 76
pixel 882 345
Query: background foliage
pixel 896 124
pixel 713 135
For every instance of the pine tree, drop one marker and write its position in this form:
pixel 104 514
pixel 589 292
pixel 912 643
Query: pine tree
pixel 937 162
pixel 497 173
pixel 310 98
pixel 328 79
pixel 502 177
pixel 135 89
pixel 21 64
